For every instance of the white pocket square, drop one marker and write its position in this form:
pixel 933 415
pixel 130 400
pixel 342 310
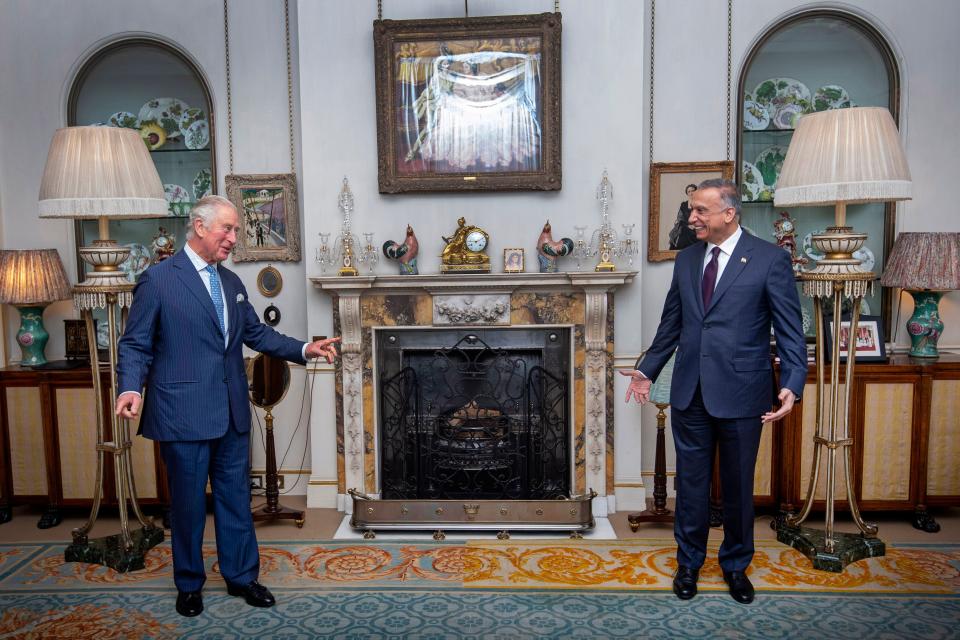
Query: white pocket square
pixel 239 297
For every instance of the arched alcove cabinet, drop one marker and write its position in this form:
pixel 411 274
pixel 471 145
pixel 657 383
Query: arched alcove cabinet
pixel 812 61
pixel 149 85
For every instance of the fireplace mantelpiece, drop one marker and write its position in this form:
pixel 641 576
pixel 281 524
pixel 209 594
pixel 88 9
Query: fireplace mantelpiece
pixel 583 301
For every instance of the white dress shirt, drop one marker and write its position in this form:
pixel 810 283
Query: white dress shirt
pixel 726 250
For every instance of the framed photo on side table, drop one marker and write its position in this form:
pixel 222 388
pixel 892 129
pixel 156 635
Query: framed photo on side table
pixel 869 340
pixel 671 184
pixel 269 218
pixel 513 260
pixel 468 104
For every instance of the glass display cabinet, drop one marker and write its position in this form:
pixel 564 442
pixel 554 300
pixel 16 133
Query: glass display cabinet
pixel 148 85
pixel 812 61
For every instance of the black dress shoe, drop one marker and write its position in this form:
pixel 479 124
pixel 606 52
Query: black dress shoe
pixel 740 588
pixel 685 582
pixel 255 593
pixel 189 603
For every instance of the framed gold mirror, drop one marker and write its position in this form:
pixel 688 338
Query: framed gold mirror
pixel 269 281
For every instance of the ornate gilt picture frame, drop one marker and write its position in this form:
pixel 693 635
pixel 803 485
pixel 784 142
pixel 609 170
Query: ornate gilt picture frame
pixel 269 217
pixel 670 185
pixel 468 104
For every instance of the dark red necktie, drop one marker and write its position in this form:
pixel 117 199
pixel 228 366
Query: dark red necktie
pixel 709 278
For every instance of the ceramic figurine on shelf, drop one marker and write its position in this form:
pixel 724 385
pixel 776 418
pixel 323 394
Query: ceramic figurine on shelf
pixel 404 253
pixel 785 231
pixel 548 249
pixel 163 245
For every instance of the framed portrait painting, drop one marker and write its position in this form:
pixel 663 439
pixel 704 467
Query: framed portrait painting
pixel 513 260
pixel 869 339
pixel 468 104
pixel 671 184
pixel 269 218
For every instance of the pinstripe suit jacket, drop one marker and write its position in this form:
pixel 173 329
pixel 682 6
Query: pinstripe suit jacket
pixel 725 348
pixel 173 348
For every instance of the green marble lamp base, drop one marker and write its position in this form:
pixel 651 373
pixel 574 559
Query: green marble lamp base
pixel 848 547
pixel 32 336
pixel 110 550
pixel 925 326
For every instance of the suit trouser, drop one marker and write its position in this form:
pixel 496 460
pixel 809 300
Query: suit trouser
pixel 225 461
pixel 696 435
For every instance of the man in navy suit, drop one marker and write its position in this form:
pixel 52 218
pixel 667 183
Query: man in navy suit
pixel 727 290
pixel 183 344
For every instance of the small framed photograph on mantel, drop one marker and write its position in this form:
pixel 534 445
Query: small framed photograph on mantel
pixel 513 260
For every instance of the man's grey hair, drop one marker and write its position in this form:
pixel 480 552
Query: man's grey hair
pixel 205 211
pixel 729 192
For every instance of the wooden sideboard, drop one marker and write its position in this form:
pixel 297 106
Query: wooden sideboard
pixel 905 422
pixel 48 444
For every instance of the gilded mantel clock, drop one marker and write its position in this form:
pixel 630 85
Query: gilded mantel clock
pixel 464 252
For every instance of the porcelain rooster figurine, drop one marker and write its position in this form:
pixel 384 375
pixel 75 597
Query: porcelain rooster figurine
pixel 404 253
pixel 548 249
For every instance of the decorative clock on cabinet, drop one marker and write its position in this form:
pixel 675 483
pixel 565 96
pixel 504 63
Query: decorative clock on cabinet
pixel 465 250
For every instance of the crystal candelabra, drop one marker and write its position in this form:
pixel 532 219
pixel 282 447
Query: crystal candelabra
pixel 628 247
pixel 368 252
pixel 325 257
pixel 581 248
pixel 604 239
pixel 346 245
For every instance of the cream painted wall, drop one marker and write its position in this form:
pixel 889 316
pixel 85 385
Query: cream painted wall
pixel 605 97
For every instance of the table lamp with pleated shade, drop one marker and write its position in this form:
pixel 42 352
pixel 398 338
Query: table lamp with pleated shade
pixel 31 279
pixel 926 264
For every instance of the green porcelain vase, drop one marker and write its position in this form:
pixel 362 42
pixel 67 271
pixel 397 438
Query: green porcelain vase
pixel 925 326
pixel 32 336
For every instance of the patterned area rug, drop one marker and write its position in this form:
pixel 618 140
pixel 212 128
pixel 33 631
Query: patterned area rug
pixel 595 589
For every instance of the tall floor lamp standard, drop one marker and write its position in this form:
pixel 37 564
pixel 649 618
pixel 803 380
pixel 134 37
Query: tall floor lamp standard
pixel 660 397
pixel 838 157
pixel 105 173
pixel 926 264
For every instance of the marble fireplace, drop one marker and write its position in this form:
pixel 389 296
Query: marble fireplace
pixel 555 328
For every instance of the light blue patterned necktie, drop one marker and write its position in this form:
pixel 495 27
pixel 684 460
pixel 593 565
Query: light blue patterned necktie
pixel 217 295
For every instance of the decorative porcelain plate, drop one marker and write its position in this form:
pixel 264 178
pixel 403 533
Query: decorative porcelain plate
pixel 201 184
pixel 866 258
pixel 831 96
pixel 812 252
pixel 787 115
pixel 751 182
pixel 769 162
pixel 777 92
pixel 179 199
pixel 191 115
pixel 807 322
pixel 124 120
pixel 137 262
pixel 166 112
pixel 755 116
pixel 197 135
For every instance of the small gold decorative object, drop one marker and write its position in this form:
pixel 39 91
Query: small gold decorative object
pixel 465 250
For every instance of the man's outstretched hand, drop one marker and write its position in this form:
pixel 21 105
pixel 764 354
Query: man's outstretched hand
pixel 639 386
pixel 786 406
pixel 323 348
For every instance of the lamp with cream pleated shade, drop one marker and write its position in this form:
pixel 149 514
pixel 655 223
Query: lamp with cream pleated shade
pixel 30 279
pixel 841 157
pixel 101 173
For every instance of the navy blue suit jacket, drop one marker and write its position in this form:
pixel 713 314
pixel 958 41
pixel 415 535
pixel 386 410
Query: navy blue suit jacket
pixel 173 347
pixel 726 348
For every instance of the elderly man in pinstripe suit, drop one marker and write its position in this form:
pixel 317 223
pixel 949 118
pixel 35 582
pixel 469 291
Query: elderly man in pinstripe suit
pixel 183 345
